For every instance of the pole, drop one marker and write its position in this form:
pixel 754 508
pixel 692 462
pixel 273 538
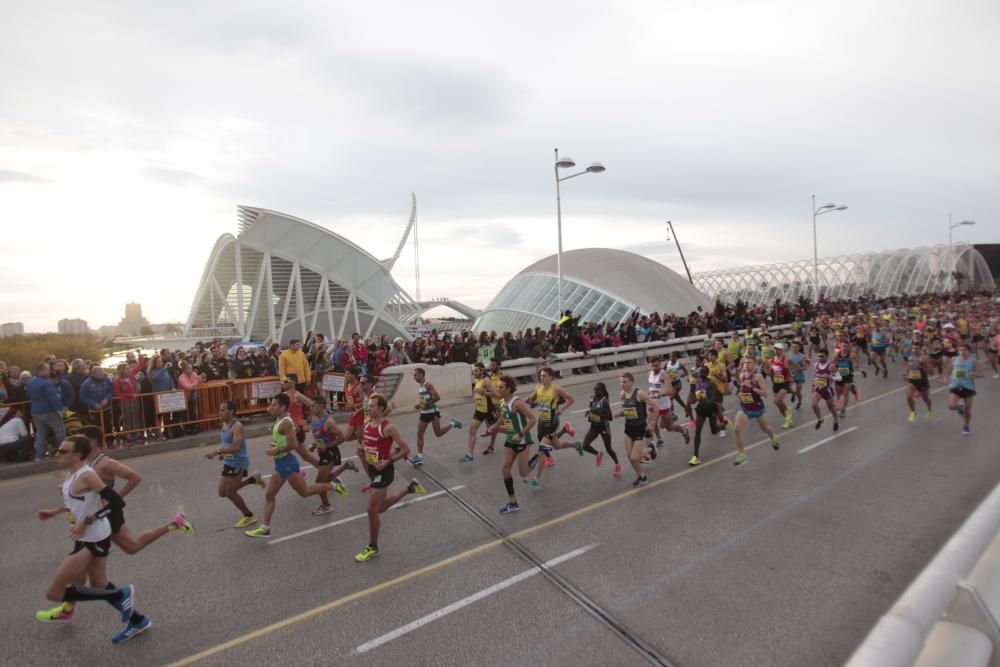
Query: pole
pixel 947 265
pixel 815 255
pixel 680 252
pixel 559 232
pixel 416 261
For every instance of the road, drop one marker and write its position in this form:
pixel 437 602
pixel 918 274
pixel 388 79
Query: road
pixel 788 560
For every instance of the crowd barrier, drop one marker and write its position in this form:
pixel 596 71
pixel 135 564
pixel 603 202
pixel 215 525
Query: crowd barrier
pixel 949 615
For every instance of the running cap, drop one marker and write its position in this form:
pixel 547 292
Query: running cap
pixel 780 346
pixel 947 325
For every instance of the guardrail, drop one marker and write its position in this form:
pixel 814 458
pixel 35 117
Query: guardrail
pixel 949 614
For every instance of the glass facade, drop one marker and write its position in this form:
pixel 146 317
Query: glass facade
pixel 915 271
pixel 532 300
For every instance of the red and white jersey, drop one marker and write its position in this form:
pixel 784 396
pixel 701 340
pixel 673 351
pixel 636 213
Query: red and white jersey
pixel 779 369
pixel 378 446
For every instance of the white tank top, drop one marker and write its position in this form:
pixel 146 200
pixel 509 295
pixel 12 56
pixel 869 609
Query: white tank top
pixel 663 402
pixel 83 506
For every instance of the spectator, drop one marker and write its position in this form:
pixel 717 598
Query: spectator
pixel 397 355
pixel 127 405
pixel 293 360
pixel 160 379
pixel 95 394
pixel 47 410
pixel 15 443
pixel 189 381
pixel 77 376
pixel 360 353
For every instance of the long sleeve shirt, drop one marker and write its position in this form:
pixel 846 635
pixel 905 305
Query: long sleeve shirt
pixel 294 361
pixel 94 391
pixel 43 395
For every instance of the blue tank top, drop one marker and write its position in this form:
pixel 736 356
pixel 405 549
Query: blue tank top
pixel 961 373
pixel 240 458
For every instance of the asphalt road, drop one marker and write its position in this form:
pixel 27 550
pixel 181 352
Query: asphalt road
pixel 788 560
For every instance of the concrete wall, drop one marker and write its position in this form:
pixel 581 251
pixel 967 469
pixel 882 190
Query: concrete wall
pixel 453 382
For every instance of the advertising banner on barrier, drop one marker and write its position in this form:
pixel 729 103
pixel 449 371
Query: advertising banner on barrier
pixel 170 401
pixel 333 382
pixel 266 389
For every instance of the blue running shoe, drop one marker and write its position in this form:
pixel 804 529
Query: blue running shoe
pixel 966 430
pixel 509 508
pixel 126 605
pixel 465 459
pixel 652 453
pixel 131 630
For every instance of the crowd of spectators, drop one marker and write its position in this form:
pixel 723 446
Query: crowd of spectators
pixel 81 390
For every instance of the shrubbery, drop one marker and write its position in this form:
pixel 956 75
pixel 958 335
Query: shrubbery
pixel 26 351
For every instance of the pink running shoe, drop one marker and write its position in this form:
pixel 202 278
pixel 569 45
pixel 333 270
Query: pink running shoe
pixel 598 459
pixel 618 470
pixel 367 488
pixel 550 461
pixel 569 430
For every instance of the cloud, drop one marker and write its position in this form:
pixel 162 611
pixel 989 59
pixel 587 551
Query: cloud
pixel 173 176
pixel 8 176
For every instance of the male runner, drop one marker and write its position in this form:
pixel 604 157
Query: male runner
pixel 963 385
pixel 551 401
pixel 824 374
pixel 661 390
pixel 483 394
pixel 917 378
pixel 516 421
pixel 797 363
pixel 781 382
pixel 379 437
pixel 235 463
pixel 637 406
pixel 752 395
pixel 705 408
pixel 285 445
pixel 326 439
pixel 429 414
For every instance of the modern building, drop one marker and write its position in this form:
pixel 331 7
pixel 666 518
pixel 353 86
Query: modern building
pixel 133 322
pixel 8 329
pixel 282 276
pixel 599 285
pixel 916 271
pixel 73 326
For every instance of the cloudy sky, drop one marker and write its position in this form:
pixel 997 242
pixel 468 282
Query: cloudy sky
pixel 130 131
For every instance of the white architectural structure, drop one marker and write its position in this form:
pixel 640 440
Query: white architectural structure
pixel 283 276
pixel 9 329
pixel 599 285
pixel 882 274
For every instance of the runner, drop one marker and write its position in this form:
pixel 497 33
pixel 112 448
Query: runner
pixel 284 446
pixel 752 395
pixel 235 464
pixel 797 363
pixel 963 385
pixel 661 390
pixel 636 407
pixel 917 377
pixel 718 374
pixel 327 439
pixel 516 421
pixel 495 402
pixel 82 492
pixel 380 455
pixel 675 371
pixel 483 393
pixel 429 414
pixel 108 469
pixel 781 379
pixel 551 401
pixel 880 339
pixel 844 379
pixel 298 403
pixel 599 415
pixel 705 408
pixel 824 374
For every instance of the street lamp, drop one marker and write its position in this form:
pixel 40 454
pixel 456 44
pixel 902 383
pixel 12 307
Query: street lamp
pixel 825 208
pixel 566 163
pixel 951 226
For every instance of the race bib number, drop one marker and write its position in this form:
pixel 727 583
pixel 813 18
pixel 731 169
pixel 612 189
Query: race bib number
pixel 915 375
pixel 746 397
pixel 631 413
pixel 820 382
pixel 700 395
pixel 544 413
pixel 843 372
pixel 692 379
pixel 508 425
pixel 227 457
pixel 371 456
pixel 594 417
pixel 961 374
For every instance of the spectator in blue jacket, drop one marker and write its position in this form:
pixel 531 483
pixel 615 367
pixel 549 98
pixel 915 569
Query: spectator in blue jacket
pixel 159 376
pixel 96 393
pixel 46 410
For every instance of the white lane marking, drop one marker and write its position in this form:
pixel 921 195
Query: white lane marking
pixel 940 389
pixel 338 522
pixel 576 412
pixel 826 440
pixel 466 601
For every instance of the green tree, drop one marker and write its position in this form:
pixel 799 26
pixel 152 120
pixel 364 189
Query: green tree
pixel 26 351
pixel 146 331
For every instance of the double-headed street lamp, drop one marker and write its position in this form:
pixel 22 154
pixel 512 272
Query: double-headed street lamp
pixel 826 208
pixel 951 226
pixel 566 163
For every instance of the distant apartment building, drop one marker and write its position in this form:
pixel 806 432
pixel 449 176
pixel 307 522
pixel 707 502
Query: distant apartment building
pixel 73 326
pixel 9 329
pixel 133 322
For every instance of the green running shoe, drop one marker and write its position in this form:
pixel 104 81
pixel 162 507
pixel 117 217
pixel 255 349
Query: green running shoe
pixel 912 417
pixel 181 522
pixel 339 487
pixel 415 487
pixel 693 461
pixel 259 531
pixel 775 444
pixel 928 415
pixel 367 554
pixel 740 459
pixel 54 615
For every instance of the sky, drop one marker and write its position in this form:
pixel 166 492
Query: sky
pixel 129 133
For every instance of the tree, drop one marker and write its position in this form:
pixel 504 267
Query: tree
pixel 146 331
pixel 26 351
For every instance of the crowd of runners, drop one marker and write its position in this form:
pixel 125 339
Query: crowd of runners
pixel 813 362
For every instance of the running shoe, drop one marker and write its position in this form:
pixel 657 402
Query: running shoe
pixel 687 437
pixel 691 423
pixel 618 470
pixel 126 603
pixel 640 481
pixel 966 430
pixel 530 481
pixel 259 480
pixel 367 488
pixel 928 415
pixel 181 522
pixel 259 531
pixel 961 410
pixel 533 461
pixel 488 451
pixel 509 508
pixel 549 461
pixel 885 372
pixel 54 615
pixel 722 432
pixel 321 510
pixel 416 460
pixel 653 453
pixel 415 487
pixel 245 521
pixel 339 487
pixel 598 459
pixel 659 443
pixel 466 459
pixel 694 461
pixel 455 423
pixel 843 412
pixel 912 417
pixel 366 554
pixel 819 422
pixel 131 630
pixel 857 394
pixel 740 459
pixel 836 403
pixel 775 444
pixel 836 425
pixel 569 430
pixel 350 465
pixel 579 447
pixel 729 425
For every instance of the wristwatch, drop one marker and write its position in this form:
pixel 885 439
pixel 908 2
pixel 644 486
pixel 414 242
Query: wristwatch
pixel 88 521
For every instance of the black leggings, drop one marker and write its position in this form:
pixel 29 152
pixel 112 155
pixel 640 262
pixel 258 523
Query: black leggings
pixel 698 424
pixel 599 430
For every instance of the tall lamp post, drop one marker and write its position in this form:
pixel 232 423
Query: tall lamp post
pixel 826 208
pixel 566 163
pixel 951 226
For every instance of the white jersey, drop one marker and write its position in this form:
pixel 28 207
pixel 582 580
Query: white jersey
pixel 658 392
pixel 83 506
